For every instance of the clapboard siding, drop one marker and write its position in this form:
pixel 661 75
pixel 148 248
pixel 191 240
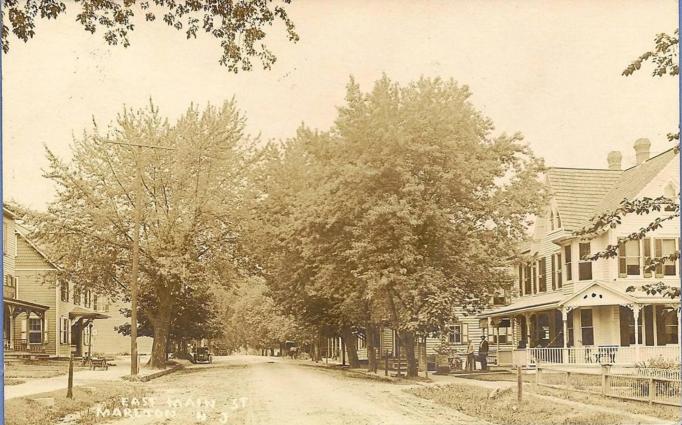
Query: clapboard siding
pixel 9 254
pixel 107 341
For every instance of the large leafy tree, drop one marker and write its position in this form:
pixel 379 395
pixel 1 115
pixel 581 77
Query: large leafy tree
pixel 189 198
pixel 406 207
pixel 239 26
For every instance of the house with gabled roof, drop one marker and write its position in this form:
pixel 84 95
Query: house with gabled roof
pixel 571 310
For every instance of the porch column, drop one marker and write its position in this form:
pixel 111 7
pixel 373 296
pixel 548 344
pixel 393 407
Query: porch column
pixel 655 328
pixel 679 328
pixel 564 321
pixel 635 312
pixel 526 316
pixel 512 319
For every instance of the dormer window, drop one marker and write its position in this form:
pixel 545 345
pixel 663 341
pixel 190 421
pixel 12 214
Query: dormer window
pixel 554 220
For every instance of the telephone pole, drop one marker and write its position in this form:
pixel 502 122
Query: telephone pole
pixel 134 272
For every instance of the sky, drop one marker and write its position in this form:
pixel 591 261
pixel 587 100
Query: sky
pixel 550 70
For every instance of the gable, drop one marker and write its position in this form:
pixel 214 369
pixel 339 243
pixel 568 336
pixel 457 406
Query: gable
pixel 29 257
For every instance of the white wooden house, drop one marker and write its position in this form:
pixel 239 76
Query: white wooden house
pixel 567 309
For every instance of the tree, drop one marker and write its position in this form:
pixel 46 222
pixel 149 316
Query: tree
pixel 404 209
pixel 189 229
pixel 196 315
pixel 238 25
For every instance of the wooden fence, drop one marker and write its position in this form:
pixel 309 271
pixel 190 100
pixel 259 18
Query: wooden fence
pixel 652 389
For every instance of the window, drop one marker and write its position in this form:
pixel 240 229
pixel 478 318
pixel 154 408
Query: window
pixel 668 319
pixel 556 271
pixel 94 302
pixel 584 265
pixel 64 287
pixel 64 331
pixel 526 278
pixel 535 277
pixel 520 279
pixel 500 297
pixel 501 335
pixel 87 298
pixel 567 255
pixel 543 329
pixel 664 248
pixel 558 220
pixel 551 220
pixel 628 258
pixel 586 326
pixel 542 275
pixel 35 331
pixel 76 295
pixel 455 334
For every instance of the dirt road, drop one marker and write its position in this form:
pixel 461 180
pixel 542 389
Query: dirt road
pixel 250 390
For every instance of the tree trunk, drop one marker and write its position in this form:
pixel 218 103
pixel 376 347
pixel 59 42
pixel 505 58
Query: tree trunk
pixel 161 326
pixel 351 341
pixel 409 344
pixel 272 352
pixel 371 349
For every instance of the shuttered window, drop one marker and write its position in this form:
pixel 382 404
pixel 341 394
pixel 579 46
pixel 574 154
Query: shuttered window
pixel 628 258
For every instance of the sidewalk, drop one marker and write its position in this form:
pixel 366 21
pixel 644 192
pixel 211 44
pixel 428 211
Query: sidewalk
pixel 80 378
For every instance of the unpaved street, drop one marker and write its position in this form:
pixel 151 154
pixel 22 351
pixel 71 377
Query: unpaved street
pixel 261 390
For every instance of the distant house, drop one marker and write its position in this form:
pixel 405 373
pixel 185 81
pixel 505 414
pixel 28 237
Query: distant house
pixel 568 309
pixel 24 321
pixel 68 323
pixel 106 340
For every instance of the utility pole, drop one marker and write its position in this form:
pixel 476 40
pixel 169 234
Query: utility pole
pixel 137 221
pixel 134 272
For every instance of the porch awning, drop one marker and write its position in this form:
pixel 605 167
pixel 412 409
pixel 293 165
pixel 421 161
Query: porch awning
pixel 24 304
pixel 527 304
pixel 81 313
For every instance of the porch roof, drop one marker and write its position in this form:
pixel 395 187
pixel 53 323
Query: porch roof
pixel 532 303
pixel 79 312
pixel 25 304
pixel 594 294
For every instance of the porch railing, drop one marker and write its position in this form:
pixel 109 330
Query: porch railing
pixel 596 355
pixel 23 345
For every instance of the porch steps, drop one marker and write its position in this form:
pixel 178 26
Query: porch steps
pixel 24 355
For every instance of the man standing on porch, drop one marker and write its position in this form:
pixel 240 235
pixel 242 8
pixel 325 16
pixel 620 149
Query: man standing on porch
pixel 483 353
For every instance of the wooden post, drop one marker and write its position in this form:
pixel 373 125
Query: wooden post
pixel 519 384
pixel 538 379
pixel 69 390
pixel 386 364
pixel 568 377
pixel 605 379
pixel 652 390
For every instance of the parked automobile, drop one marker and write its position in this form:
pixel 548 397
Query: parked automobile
pixel 200 355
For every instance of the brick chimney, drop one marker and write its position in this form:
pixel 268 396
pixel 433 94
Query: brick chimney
pixel 642 147
pixel 614 158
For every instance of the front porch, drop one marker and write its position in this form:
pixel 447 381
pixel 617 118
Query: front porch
pixel 25 337
pixel 596 325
